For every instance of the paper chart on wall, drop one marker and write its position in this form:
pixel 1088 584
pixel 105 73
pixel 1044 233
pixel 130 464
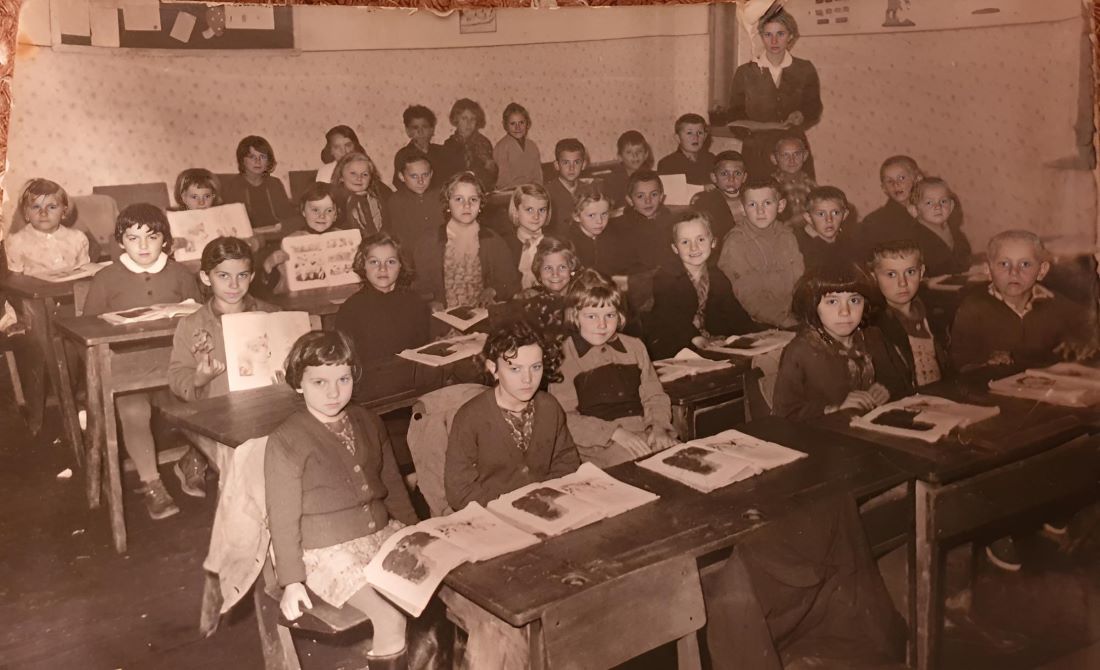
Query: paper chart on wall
pixel 677 190
pixel 141 15
pixel 249 18
pixel 319 261
pixel 103 22
pixel 256 346
pixel 193 229
pixel 75 17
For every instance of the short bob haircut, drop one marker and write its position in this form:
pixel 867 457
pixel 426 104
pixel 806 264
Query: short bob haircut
pixel 340 131
pixel 832 278
pixel 467 105
pixel 515 108
pixel 414 112
pixel 781 17
pixel 570 144
pixel 918 189
pixel 591 288
pixel 338 171
pixel 552 245
pixel 633 138
pixel 320 347
pixel 587 194
pixel 642 175
pixel 224 249
pixel 900 159
pixel 144 215
pixel 405 274
pixel 449 186
pixel 532 190
pixel 819 193
pixel 894 249
pixel 261 146
pixel 36 188
pixel 1017 235
pixel 199 178
pixel 504 343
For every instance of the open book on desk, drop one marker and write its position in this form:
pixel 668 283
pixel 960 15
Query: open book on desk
pixel 462 317
pixel 1066 384
pixel 923 417
pixel 151 312
pixel 447 350
pixel 58 276
pixel 720 460
pixel 754 344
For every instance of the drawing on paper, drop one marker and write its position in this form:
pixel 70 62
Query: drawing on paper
pixel 408 559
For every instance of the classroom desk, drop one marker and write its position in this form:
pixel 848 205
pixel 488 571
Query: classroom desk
pixel 39 300
pixel 708 403
pixel 602 594
pixel 117 359
pixel 320 301
pixel 1030 456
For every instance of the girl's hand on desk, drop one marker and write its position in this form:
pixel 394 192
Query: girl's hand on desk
pixel 661 438
pixel 1077 351
pixel 209 368
pixel 861 401
pixel 634 443
pixel 295 597
pixel 879 394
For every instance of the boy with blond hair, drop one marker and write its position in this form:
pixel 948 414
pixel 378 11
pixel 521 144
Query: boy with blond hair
pixel 691 157
pixel 789 159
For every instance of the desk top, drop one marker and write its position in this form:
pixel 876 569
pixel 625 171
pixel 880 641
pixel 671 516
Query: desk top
pixel 1024 428
pixel 92 330
pixel 707 385
pixel 319 301
pixel 26 286
pixel 684 522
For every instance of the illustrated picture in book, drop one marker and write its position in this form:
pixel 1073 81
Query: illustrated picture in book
pixel 540 508
pixel 448 350
pixel 151 312
pixel 194 228
pixel 700 468
pixel 86 270
pixel 754 344
pixel 256 346
pixel 1066 384
pixel 480 533
pixel 411 564
pixel 923 417
pixel 462 317
pixel 320 261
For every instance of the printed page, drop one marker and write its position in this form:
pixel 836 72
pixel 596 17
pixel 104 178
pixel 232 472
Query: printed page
pixel 447 350
pixel 461 318
pixel 321 261
pixel 480 533
pixel 764 455
pixel 256 346
pixel 596 487
pixel 700 468
pixel 539 508
pixel 410 565
pixel 193 229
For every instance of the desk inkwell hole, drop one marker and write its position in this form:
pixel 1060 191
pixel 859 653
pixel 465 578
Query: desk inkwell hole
pixel 753 515
pixel 573 579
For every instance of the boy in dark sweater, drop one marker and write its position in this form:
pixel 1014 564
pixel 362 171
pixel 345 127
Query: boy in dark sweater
pixel 646 222
pixel 415 210
pixel 691 157
pixel 570 159
pixel 822 236
pixel 723 203
pixel 420 127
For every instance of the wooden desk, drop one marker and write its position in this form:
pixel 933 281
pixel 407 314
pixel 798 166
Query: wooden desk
pixel 319 301
pixel 118 359
pixel 1030 456
pixel 602 594
pixel 708 403
pixel 39 301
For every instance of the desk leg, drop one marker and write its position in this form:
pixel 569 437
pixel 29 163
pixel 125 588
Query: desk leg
pixel 70 422
pixel 93 473
pixel 493 643
pixel 110 444
pixel 929 579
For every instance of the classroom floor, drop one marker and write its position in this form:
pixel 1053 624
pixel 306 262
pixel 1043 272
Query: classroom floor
pixel 68 601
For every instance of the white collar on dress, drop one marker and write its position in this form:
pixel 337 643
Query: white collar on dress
pixel 776 70
pixel 132 265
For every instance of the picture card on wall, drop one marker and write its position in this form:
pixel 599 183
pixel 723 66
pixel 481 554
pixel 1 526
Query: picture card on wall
pixel 193 229
pixel 256 346
pixel 249 18
pixel 319 261
pixel 677 190
pixel 183 27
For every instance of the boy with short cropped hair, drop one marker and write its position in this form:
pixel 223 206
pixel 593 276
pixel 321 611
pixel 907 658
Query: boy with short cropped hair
pixel 789 159
pixel 414 207
pixel 691 157
pixel 945 247
pixel 912 350
pixel 761 258
pixel 570 159
pixel 634 154
pixel 420 127
pixel 823 237
pixel 723 203
pixel 645 221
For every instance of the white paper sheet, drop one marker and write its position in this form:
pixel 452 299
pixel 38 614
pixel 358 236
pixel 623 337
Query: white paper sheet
pixel 75 17
pixel 256 345
pixel 103 20
pixel 141 15
pixel 677 190
pixel 249 18
pixel 183 27
pixel 193 229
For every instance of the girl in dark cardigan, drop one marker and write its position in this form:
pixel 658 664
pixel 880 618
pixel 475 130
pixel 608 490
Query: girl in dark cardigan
pixel 693 302
pixel 334 494
pixel 827 367
pixel 263 195
pixel 513 434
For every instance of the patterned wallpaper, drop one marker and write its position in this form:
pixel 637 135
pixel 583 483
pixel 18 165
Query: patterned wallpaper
pixel 984 108
pixel 86 119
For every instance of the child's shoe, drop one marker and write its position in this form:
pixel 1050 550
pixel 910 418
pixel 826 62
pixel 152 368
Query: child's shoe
pixel 191 471
pixel 1055 529
pixel 158 502
pixel 1003 554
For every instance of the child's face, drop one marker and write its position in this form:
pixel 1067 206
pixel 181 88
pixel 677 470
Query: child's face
pixel 229 281
pixel 935 205
pixel 356 177
pixel 340 146
pixel 520 375
pixel 899 278
pixel 464 203
pixel 1015 267
pixel 728 176
pixel 45 212
pixel 198 197
pixel 840 313
pixel 597 325
pixel 516 126
pixel 594 217
pixel 319 214
pixel 420 131
pixel 417 176
pixel 532 213
pixel 826 216
pixel 647 197
pixel 555 273
pixel 255 163
pixel 789 156
pixel 776 38
pixel 142 245
pixel 466 123
pixel 763 206
pixel 633 157
pixel 897 182
pixel 327 390
pixel 383 267
pixel 569 165
pixel 693 243
pixel 691 137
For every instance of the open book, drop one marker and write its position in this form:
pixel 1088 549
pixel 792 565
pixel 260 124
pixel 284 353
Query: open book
pixel 755 344
pixel 462 317
pixel 86 270
pixel 1071 374
pixel 151 312
pixel 923 417
pixel 448 350
pixel 193 229
pixel 411 564
pixel 320 261
pixel 594 486
pixel 720 460
pixel 542 508
pixel 979 272
pixel 479 532
pixel 1066 384
pixel 256 346
pixel 685 364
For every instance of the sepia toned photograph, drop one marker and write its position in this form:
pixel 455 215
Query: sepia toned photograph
pixel 784 287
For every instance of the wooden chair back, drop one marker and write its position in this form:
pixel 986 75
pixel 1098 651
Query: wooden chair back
pixel 300 180
pixel 128 194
